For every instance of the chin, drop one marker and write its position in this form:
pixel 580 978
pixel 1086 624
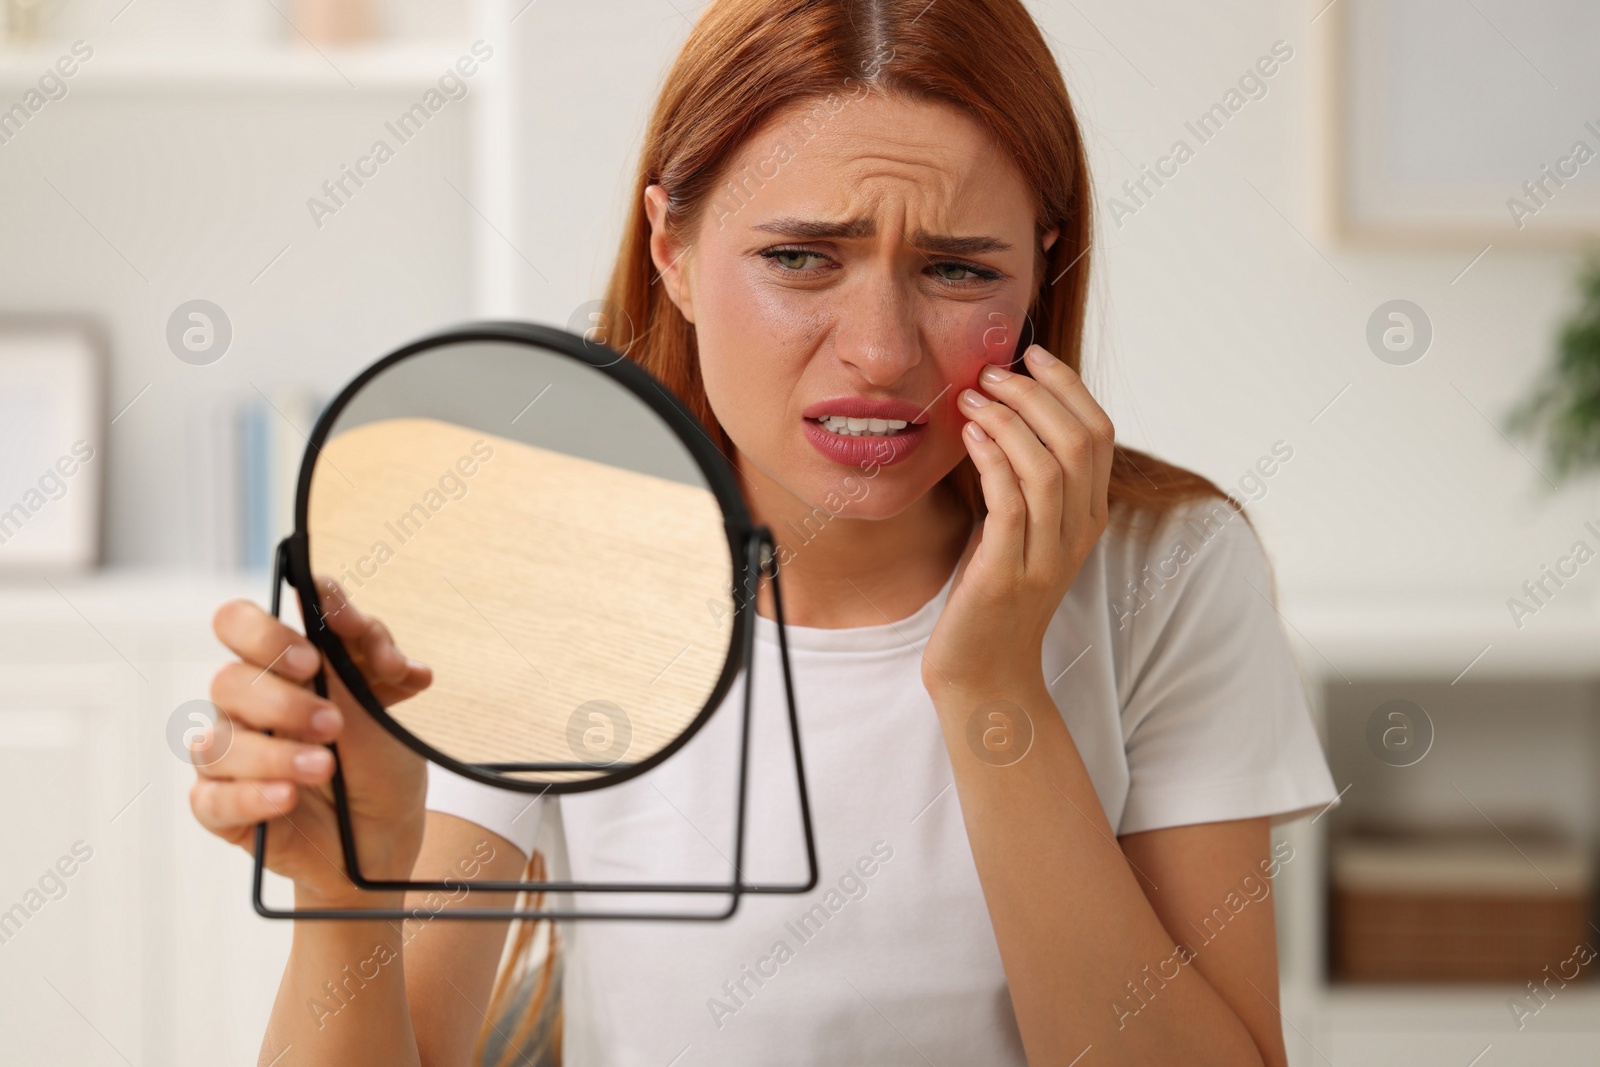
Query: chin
pixel 876 492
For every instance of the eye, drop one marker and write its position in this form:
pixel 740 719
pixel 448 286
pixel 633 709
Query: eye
pixel 787 258
pixel 975 273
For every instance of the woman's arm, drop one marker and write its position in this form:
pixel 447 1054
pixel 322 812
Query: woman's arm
pixel 358 991
pixel 451 964
pixel 1203 868
pixel 342 999
pixel 1089 960
pixel 1077 936
pixel 400 992
pixel 1075 931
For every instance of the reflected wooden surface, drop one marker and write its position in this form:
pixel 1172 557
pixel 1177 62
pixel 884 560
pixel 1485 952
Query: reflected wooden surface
pixel 533 583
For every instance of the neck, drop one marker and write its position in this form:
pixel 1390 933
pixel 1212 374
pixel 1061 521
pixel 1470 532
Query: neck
pixel 840 570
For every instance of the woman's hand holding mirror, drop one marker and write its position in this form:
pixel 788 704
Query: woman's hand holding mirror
pixel 247 777
pixel 567 568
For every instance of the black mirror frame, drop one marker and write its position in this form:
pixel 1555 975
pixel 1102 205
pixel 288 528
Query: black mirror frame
pixel 752 554
pixel 719 476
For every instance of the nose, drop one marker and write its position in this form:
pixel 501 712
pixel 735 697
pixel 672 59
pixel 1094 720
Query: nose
pixel 877 332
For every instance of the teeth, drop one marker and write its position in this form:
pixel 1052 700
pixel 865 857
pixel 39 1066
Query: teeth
pixel 853 427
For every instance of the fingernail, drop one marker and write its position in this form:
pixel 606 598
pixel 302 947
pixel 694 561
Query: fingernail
pixel 1039 357
pixel 992 373
pixel 415 664
pixel 313 760
pixel 976 432
pixel 973 398
pixel 326 721
pixel 302 659
pixel 277 793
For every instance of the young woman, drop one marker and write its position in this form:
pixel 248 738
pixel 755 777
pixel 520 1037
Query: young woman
pixel 1048 712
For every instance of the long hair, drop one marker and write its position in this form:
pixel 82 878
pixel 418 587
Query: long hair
pixel 746 60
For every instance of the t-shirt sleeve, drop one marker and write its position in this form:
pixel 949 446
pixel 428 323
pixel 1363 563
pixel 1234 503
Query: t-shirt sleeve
pixel 1216 722
pixel 514 816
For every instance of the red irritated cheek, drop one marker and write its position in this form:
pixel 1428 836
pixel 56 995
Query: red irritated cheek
pixel 989 336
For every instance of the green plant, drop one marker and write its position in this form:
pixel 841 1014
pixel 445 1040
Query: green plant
pixel 1564 407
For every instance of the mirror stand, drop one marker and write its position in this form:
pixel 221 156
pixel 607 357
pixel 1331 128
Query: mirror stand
pixel 761 560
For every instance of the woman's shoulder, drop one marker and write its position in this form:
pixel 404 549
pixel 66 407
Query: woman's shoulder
pixel 1193 566
pixel 1206 534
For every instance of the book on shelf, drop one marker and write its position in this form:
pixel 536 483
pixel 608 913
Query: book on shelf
pixel 248 447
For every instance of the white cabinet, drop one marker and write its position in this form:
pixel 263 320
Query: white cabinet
pixel 130 936
pixel 1516 724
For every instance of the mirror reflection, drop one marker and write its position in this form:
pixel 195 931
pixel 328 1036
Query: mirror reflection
pixel 552 552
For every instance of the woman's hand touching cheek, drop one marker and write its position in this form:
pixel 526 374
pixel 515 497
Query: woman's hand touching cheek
pixel 1043 450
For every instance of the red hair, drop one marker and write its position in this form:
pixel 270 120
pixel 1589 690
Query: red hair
pixel 746 60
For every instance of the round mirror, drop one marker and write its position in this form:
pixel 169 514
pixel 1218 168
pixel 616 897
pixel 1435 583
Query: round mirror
pixel 546 527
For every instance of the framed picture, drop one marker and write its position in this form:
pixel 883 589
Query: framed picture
pixel 52 447
pixel 1461 124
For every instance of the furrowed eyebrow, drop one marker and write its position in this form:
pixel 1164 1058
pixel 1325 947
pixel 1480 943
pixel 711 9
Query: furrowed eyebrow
pixel 817 230
pixel 943 244
pixel 958 246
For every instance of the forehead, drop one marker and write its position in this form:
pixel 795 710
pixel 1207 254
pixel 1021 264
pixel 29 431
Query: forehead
pixel 877 154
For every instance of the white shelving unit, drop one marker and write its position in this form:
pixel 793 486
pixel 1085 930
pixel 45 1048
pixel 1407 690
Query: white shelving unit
pixel 218 99
pixel 1433 638
pixel 152 954
pixel 1444 644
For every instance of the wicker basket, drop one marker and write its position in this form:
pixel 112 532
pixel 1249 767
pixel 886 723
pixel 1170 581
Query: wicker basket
pixel 1455 907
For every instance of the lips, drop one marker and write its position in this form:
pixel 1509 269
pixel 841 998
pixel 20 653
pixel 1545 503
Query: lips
pixel 867 449
pixel 861 407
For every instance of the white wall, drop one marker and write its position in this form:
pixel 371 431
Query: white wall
pixel 1224 330
pixel 1219 329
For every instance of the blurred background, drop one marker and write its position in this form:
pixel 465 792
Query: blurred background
pixel 1343 270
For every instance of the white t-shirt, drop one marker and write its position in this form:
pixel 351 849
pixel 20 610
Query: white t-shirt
pixel 1171 669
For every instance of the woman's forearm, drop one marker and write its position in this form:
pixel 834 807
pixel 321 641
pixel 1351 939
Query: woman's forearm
pixel 343 997
pixel 1069 916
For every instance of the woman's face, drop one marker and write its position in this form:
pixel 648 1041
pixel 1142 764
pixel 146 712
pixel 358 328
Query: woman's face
pixel 864 263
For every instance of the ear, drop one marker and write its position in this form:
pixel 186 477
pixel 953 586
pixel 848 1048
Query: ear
pixel 667 254
pixel 1050 236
